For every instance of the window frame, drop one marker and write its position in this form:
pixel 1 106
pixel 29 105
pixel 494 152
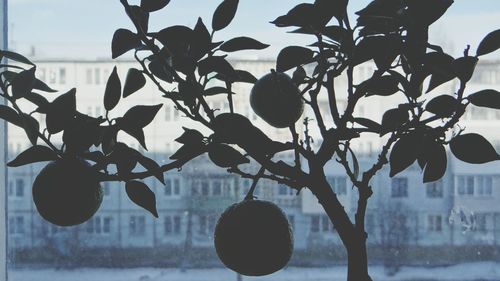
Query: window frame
pixel 3 157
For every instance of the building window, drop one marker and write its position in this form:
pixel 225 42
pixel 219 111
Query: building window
pixel 97 76
pixel 399 187
pixel 168 227
pixel 19 187
pixel 203 225
pixel 338 184
pixel 480 223
pixel 62 75
pixel 205 188
pixel 484 185
pixel 176 115
pixel 52 76
pixel 434 223
pixel 474 185
pixel 465 185
pixel 106 227
pixel 99 225
pixel 434 189
pixel 285 190
pixel 326 224
pixel 168 187
pixel 177 225
pixel 226 188
pixel 88 78
pixel 315 224
pixel 177 187
pixel 16 225
pixel 137 225
pixel 195 188
pixel 216 188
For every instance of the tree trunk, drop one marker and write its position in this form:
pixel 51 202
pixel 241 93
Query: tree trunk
pixel 357 260
pixel 353 239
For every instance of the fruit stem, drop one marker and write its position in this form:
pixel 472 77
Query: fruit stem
pixel 259 174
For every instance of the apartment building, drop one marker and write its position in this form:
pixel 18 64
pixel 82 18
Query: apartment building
pixel 461 209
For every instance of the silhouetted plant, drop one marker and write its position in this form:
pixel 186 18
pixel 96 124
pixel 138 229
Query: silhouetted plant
pixel 392 33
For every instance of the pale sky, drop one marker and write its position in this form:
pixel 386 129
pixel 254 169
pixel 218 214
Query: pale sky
pixel 83 29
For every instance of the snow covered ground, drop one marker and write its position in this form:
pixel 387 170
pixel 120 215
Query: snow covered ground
pixel 481 271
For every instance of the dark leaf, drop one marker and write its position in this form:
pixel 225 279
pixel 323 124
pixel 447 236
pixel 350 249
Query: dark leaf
pixel 15 56
pixel 151 166
pixel 94 156
pixel 436 162
pixel 224 14
pixel 61 112
pixel 40 85
pixel 177 39
pixel 216 64
pixel 23 82
pixel 385 85
pixel 140 116
pixel 404 153
pixel 109 138
pixel 332 8
pixel 113 90
pixel 293 56
pixel 153 5
pixel 473 148
pixel 245 76
pixel 304 15
pixel 393 118
pixel 190 137
pixel 37 153
pixel 10 115
pixel 382 49
pixel 186 151
pixel 440 65
pixel 159 70
pixel 299 75
pixel 336 33
pixel 124 157
pixel 242 43
pixel 82 133
pixel 489 44
pixel 225 156
pixel 464 68
pixel 141 195
pixel 370 124
pixel 137 133
pixel 140 17
pixel 486 98
pixel 135 81
pixel 442 106
pixel 200 42
pixel 31 127
pixel 216 91
pixel 123 41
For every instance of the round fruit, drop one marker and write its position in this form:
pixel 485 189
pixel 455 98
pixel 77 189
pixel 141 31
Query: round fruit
pixel 254 238
pixel 66 192
pixel 277 100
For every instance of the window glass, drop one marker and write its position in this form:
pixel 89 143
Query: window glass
pixel 441 230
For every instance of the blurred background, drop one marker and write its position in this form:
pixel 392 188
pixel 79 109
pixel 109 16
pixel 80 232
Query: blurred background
pixel 446 230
